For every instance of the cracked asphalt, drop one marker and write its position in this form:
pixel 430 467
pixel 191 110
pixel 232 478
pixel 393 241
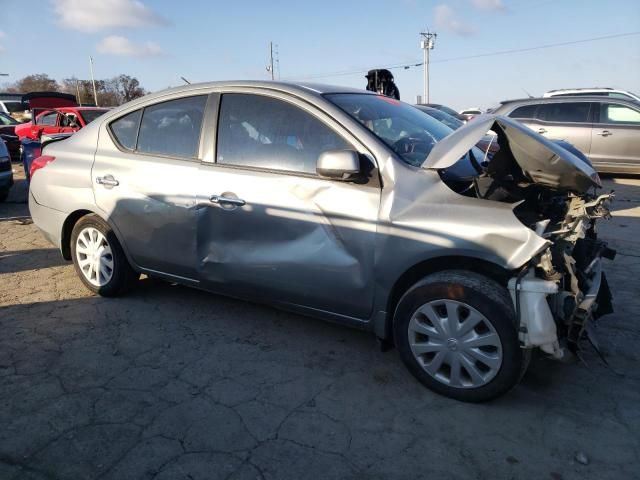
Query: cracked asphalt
pixel 174 383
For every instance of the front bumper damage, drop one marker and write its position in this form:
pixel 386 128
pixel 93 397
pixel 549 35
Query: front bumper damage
pixel 557 302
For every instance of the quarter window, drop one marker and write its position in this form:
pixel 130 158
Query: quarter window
pixel 577 112
pixel 258 131
pixel 525 112
pixel 125 129
pixel 172 128
pixel 613 113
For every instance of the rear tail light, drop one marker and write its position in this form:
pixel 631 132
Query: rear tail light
pixel 39 163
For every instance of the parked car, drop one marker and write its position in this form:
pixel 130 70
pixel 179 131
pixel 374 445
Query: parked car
pixel 6 172
pixel 470 113
pixel 606 130
pixel 445 109
pixel 488 144
pixel 331 202
pixel 19 105
pixel 59 120
pixel 8 133
pixel 593 92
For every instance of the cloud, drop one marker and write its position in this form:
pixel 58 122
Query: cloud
pixel 97 15
pixel 495 5
pixel 445 18
pixel 122 46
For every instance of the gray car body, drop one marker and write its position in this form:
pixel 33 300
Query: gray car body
pixel 611 147
pixel 337 250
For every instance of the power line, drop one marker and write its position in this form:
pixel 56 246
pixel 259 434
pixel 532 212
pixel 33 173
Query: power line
pixel 407 66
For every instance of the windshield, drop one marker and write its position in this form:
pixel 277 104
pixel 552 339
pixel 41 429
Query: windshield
pixel 90 115
pixel 410 133
pixel 451 122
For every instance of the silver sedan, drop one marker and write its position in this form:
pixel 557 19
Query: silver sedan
pixel 344 205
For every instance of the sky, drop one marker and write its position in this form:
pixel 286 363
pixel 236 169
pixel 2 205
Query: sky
pixel 334 42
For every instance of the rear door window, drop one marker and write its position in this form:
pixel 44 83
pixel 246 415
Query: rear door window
pixel 571 112
pixel 172 128
pixel 125 129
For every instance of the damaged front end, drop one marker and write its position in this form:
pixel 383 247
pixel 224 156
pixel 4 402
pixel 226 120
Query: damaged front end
pixel 564 288
pixel 559 292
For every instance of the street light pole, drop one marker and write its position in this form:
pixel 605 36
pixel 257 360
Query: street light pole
pixel 427 43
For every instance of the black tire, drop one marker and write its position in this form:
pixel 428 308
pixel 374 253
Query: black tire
pixel 123 277
pixel 490 299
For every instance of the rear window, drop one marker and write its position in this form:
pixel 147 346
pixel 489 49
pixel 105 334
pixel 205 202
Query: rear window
pixel 16 107
pixel 577 112
pixel 125 129
pixel 526 111
pixel 90 115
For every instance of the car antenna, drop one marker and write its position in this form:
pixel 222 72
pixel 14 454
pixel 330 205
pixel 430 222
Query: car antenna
pixel 185 80
pixel 528 94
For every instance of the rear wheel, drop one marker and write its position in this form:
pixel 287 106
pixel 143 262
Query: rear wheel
pixel 456 332
pixel 99 259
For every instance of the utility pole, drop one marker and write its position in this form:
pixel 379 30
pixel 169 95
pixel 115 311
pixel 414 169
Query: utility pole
pixel 427 43
pixel 93 81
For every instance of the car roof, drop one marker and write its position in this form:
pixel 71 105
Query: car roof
pixel 568 98
pixel 582 89
pixel 291 87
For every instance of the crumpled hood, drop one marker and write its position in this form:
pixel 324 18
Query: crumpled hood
pixel 542 161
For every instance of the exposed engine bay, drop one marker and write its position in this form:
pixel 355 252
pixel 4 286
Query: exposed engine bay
pixel 563 289
pixel 568 272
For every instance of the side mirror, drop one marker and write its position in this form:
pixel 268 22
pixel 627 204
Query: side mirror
pixel 338 164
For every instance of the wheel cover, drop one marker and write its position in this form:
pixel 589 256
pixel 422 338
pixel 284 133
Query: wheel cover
pixel 455 344
pixel 94 256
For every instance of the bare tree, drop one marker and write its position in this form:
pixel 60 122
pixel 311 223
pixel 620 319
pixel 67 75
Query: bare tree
pixel 128 88
pixel 111 92
pixel 39 82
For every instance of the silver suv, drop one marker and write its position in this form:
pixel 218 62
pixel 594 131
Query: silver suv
pixel 606 130
pixel 344 205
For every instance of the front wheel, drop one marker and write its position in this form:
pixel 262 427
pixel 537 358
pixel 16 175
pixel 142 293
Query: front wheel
pixel 456 332
pixel 99 259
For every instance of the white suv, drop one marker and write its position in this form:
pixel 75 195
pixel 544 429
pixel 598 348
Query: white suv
pixel 600 92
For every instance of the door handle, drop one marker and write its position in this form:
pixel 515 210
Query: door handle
pixel 107 181
pixel 219 199
pixel 604 133
pixel 542 130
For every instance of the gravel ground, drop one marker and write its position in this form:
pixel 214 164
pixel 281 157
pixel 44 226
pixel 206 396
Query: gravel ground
pixel 173 383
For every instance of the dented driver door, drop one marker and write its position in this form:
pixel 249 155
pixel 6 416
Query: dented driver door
pixel 269 228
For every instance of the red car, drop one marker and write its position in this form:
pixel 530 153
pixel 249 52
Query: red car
pixel 58 120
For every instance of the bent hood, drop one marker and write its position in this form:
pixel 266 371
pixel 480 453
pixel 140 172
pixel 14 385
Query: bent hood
pixel 542 161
